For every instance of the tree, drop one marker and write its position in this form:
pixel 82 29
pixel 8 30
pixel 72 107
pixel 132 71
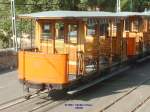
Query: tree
pixel 28 6
pixel 5 24
pixel 69 4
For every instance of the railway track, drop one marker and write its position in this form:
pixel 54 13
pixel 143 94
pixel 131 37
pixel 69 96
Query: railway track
pixel 141 104
pixel 51 103
pixel 48 107
pixel 17 100
pixel 129 92
pixel 12 102
pixel 48 104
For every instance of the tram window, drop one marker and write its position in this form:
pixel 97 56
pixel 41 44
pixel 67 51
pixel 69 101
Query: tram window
pixel 103 29
pixel 46 31
pixel 148 24
pixel 59 30
pixel 73 33
pixel 127 25
pixel 136 25
pixel 91 31
pixel 140 25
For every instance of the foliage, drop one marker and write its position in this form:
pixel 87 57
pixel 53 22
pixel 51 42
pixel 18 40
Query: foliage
pixel 4 37
pixel 28 6
pixel 5 24
pixel 69 4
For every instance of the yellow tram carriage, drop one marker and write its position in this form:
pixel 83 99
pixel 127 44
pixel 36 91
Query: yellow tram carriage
pixel 71 45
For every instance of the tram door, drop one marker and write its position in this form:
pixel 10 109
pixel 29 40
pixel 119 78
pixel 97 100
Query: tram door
pixel 72 48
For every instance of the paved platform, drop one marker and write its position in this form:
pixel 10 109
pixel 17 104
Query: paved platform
pixel 10 87
pixel 131 88
pixel 145 107
pixel 104 94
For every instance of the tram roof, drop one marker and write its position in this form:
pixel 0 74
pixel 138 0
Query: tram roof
pixel 80 14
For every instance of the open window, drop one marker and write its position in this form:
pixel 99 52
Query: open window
pixel 104 29
pixel 46 32
pixel 136 25
pixel 148 24
pixel 73 33
pixel 91 30
pixel 60 30
pixel 59 37
pixel 127 25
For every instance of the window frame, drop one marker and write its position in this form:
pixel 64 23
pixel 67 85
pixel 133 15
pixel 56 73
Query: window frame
pixel 51 33
pixel 77 35
pixel 87 28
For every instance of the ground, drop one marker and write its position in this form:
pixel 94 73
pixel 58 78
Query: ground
pixel 10 87
pixel 127 92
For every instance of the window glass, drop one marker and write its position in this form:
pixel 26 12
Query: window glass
pixel 46 31
pixel 91 31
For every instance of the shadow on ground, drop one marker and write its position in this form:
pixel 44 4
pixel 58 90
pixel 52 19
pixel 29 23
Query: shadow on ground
pixel 117 84
pixel 3 71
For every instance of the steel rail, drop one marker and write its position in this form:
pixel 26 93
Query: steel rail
pixel 17 100
pixel 120 98
pixel 141 104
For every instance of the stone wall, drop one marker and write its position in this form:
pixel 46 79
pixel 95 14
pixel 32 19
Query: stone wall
pixel 8 59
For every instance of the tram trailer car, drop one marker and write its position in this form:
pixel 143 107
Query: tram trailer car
pixel 72 45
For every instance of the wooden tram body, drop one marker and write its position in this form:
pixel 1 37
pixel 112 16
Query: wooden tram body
pixel 70 45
